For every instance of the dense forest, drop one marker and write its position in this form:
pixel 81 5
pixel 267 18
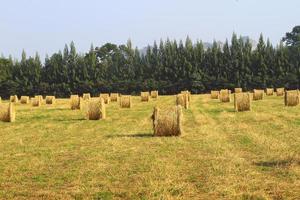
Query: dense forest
pixel 169 66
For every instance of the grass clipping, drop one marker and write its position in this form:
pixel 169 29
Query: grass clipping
pixel 270 91
pixel 125 101
pixel 86 96
pixel 14 99
pixel 214 94
pixel 24 100
pixel 225 95
pixel 242 101
pixel 279 91
pixel 96 109
pixel 183 100
pixel 105 97
pixel 291 98
pixel 75 102
pixel 238 90
pixel 7 112
pixel 145 96
pixel 154 94
pixel 167 122
pixel 50 99
pixel 114 97
pixel 258 94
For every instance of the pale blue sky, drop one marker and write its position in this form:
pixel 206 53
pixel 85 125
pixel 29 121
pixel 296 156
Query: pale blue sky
pixel 46 25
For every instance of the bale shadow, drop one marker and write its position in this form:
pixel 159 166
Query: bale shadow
pixel 137 135
pixel 277 163
pixel 69 120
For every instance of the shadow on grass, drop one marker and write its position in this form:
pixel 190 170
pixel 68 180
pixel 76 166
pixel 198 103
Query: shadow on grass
pixel 138 135
pixel 69 120
pixel 277 163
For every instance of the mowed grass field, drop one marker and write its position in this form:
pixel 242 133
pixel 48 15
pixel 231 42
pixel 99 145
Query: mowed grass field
pixel 52 152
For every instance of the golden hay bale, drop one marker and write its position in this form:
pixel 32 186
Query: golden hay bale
pixel 291 98
pixel 270 91
pixel 225 95
pixel 14 99
pixel 154 94
pixel 125 101
pixel 258 94
pixel 242 101
pixel 183 100
pixel 280 91
pixel 36 101
pixel 7 112
pixel 214 94
pixel 0 100
pixel 96 109
pixel 238 90
pixel 50 99
pixel 188 94
pixel 145 96
pixel 167 122
pixel 114 97
pixel 105 97
pixel 75 102
pixel 40 97
pixel 86 96
pixel 24 100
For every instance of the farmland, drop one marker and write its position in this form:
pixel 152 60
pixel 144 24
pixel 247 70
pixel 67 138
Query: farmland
pixel 53 152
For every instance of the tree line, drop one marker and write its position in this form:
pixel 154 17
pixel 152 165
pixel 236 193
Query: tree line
pixel 168 66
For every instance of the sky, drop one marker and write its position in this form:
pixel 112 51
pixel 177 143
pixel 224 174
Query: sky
pixel 45 26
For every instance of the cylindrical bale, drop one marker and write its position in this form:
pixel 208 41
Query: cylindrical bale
pixel 0 100
pixel 86 96
pixel 214 94
pixel 238 90
pixel 145 96
pixel 188 94
pixel 36 101
pixel 242 101
pixel 96 109
pixel 24 100
pixel 14 99
pixel 291 98
pixel 50 99
pixel 105 97
pixel 167 122
pixel 280 91
pixel 154 94
pixel 125 101
pixel 269 91
pixel 40 97
pixel 75 102
pixel 258 94
pixel 7 112
pixel 183 100
pixel 114 97
pixel 225 95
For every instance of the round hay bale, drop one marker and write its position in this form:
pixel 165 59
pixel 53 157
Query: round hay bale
pixel 105 97
pixel 96 109
pixel 14 99
pixel 154 94
pixel 114 97
pixel 183 100
pixel 24 100
pixel 242 101
pixel 7 112
pixel 125 101
pixel 280 91
pixel 86 96
pixel 167 122
pixel 145 96
pixel 291 98
pixel 36 101
pixel 40 97
pixel 258 94
pixel 0 100
pixel 225 95
pixel 187 93
pixel 75 102
pixel 238 90
pixel 50 99
pixel 214 94
pixel 269 91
